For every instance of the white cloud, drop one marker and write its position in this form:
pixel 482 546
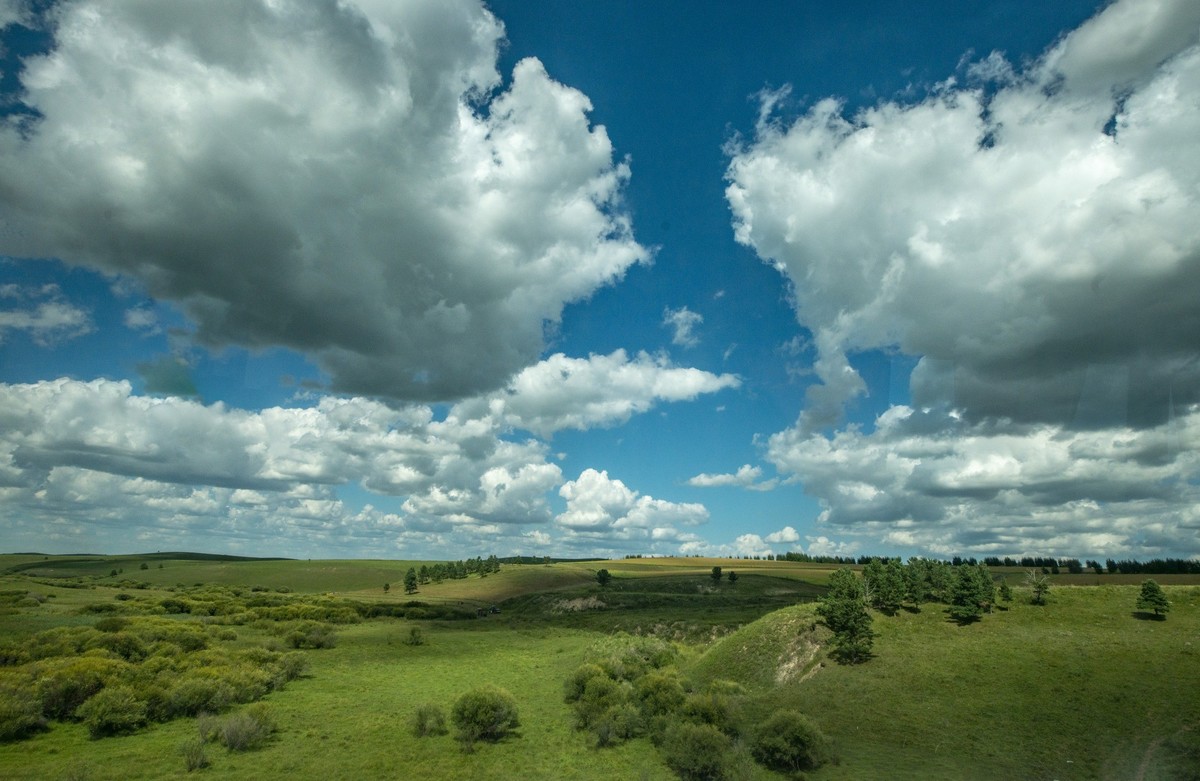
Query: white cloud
pixel 1030 234
pixel 785 535
pixel 604 510
pixel 942 485
pixel 746 477
pixel 44 314
pixel 142 319
pixel 683 323
pixel 1000 233
pixel 602 390
pixel 349 180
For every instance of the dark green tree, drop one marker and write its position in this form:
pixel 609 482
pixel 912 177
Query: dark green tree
pixel 1006 594
pixel 410 581
pixel 387 587
pixel 733 576
pixel 844 610
pixel 603 577
pixel 972 594
pixel 1154 598
pixel 716 575
pixel 1038 584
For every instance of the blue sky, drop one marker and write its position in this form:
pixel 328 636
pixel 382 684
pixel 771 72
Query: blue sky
pixel 434 279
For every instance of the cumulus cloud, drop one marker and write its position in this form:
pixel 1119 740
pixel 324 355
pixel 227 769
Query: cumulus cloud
pixel 601 390
pixel 747 476
pixel 683 323
pixel 604 510
pixel 1030 233
pixel 785 535
pixel 42 313
pixel 936 482
pixel 1017 234
pixel 451 472
pixel 352 180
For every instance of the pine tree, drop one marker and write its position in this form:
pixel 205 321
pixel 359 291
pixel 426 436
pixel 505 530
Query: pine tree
pixel 844 610
pixel 410 581
pixel 1154 598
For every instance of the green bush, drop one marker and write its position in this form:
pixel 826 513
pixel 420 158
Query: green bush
pixel 248 729
pixel 428 720
pixel 600 693
pixel 618 723
pixel 574 685
pixel 113 711
pixel 714 709
pixel 486 713
pixel 789 742
pixel 659 693
pixel 20 713
pixel 311 634
pixel 697 752
pixel 196 694
pixel 65 684
pixel 195 754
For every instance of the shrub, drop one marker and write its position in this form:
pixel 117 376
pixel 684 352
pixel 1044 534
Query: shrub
pixel 714 709
pixel 486 713
pixel 789 742
pixel 429 720
pixel 310 634
pixel 600 693
pixel 660 693
pixel 196 694
pixel 247 729
pixel 697 752
pixel 113 711
pixel 574 685
pixel 617 724
pixel 64 685
pixel 195 754
pixel 415 636
pixel 20 713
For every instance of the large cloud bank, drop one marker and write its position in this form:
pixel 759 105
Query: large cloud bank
pixel 92 455
pixel 348 179
pixel 1033 234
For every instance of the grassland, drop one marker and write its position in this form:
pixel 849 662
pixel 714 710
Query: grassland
pixel 1081 688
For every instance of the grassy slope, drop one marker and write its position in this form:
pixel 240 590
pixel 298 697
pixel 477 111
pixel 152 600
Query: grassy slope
pixel 1078 689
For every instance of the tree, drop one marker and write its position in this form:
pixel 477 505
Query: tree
pixel 716 575
pixel 1039 584
pixel 972 593
pixel 603 577
pixel 410 581
pixel 733 576
pixel 1005 592
pixel 1154 598
pixel 844 610
pixel 387 587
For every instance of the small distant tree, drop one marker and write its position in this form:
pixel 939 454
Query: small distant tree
pixel 410 581
pixel 603 577
pixel 1154 598
pixel 387 587
pixel 1006 594
pixel 1039 584
pixel 733 576
pixel 716 575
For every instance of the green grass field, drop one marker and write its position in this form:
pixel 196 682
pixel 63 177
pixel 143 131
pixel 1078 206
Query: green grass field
pixel 1081 688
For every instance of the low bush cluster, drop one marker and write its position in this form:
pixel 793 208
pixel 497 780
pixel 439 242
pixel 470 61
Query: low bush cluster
pixel 487 713
pixel 126 672
pixel 628 688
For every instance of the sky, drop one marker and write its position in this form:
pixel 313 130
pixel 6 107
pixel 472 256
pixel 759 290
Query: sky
pixel 442 278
